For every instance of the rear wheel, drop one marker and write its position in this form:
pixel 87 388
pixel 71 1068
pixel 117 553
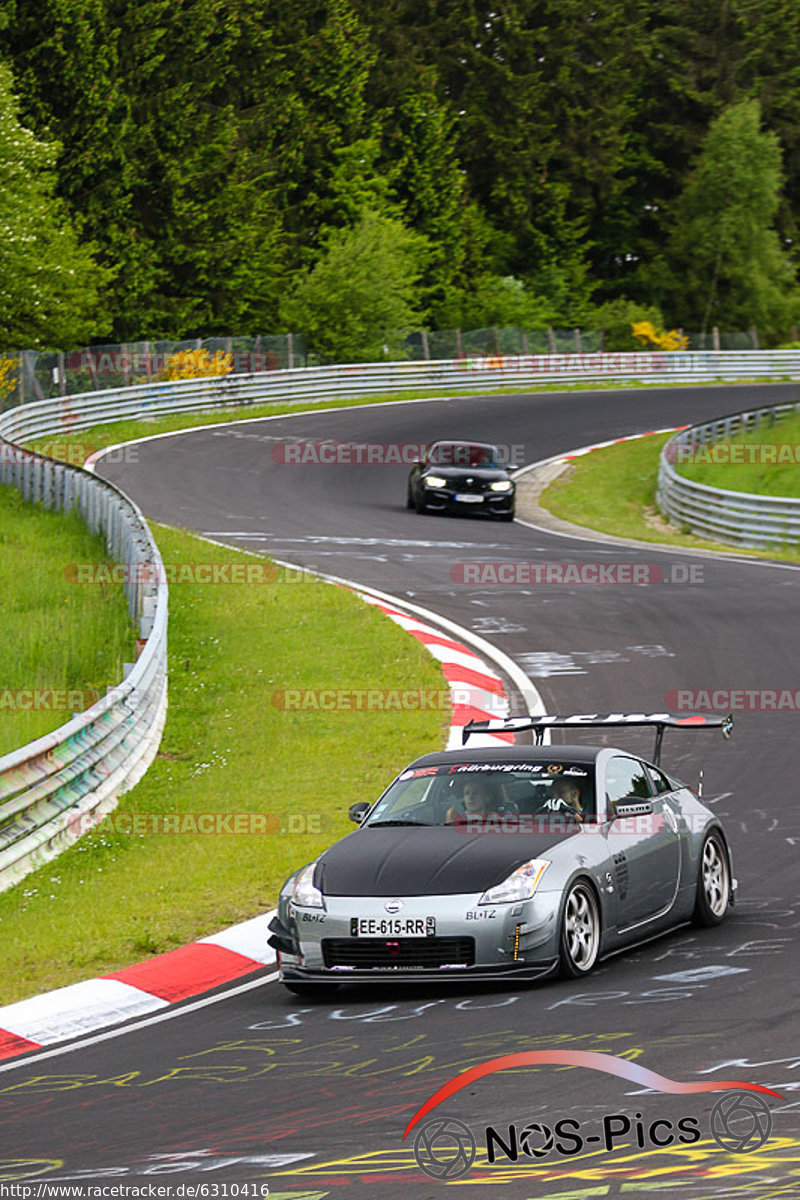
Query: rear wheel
pixel 580 931
pixel 713 882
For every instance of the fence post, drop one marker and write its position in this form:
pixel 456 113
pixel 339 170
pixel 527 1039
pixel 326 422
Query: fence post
pixel 426 354
pixel 551 339
pixel 290 349
pixel 459 345
pixel 715 336
pixel 578 345
pixel 754 337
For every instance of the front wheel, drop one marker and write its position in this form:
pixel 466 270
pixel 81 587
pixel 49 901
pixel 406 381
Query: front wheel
pixel 409 498
pixel 580 931
pixel 713 882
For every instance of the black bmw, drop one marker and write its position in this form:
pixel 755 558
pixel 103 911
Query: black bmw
pixel 461 477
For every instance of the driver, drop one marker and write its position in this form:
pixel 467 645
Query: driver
pixel 479 799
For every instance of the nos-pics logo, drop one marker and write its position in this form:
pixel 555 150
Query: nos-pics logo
pixel 445 1148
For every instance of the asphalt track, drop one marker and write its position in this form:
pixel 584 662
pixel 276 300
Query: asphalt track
pixel 312 1099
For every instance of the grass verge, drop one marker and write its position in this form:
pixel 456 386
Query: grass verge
pixel 114 898
pixel 773 471
pixel 613 490
pixel 61 645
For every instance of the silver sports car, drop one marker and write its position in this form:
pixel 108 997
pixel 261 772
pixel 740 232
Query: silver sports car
pixel 508 861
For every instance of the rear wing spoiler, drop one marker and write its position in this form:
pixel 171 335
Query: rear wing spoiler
pixel 659 721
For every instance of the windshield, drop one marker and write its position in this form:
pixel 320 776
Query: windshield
pixel 463 454
pixel 518 793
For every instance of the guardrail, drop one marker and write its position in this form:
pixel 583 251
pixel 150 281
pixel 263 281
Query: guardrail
pixel 306 384
pixel 54 788
pixel 742 518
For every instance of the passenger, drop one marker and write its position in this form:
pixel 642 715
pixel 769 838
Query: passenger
pixel 565 795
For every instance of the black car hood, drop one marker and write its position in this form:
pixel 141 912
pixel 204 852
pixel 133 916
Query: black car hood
pixel 435 860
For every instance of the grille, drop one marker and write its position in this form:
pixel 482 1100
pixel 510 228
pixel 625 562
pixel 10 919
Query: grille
pixel 398 953
pixel 468 483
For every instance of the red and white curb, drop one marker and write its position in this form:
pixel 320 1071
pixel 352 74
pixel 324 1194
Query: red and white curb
pixel 630 437
pixel 93 1004
pixel 476 693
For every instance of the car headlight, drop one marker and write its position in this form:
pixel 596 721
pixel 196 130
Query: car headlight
pixel 305 895
pixel 435 481
pixel 520 885
pixel 502 485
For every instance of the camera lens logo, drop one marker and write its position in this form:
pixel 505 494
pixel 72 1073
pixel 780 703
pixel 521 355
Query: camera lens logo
pixel 536 1140
pixel 741 1122
pixel 444 1149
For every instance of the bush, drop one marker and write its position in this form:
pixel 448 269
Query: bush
pixel 664 339
pixel 194 364
pixel 616 320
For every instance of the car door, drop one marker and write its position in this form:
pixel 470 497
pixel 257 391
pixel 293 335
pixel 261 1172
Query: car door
pixel 645 849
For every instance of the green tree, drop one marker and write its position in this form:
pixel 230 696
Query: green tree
pixel 502 300
pixel 725 263
pixel 50 285
pixel 66 62
pixel 540 92
pixel 356 302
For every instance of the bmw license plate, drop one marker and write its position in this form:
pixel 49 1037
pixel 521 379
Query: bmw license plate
pixel 392 926
pixel 468 498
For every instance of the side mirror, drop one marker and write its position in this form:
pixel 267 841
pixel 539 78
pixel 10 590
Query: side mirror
pixel 358 811
pixel 631 806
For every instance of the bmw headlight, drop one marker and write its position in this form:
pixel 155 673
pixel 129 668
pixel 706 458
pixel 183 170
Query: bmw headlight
pixel 520 885
pixel 435 481
pixel 502 485
pixel 305 895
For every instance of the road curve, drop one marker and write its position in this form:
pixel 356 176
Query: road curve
pixel 312 1099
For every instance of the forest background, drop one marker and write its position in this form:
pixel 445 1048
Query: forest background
pixel 344 168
